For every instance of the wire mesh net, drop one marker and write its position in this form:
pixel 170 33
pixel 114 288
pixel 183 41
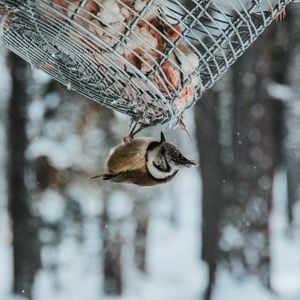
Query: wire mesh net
pixel 150 59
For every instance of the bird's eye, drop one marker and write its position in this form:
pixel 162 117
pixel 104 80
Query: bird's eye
pixel 163 151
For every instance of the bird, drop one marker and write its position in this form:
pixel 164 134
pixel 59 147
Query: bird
pixel 144 162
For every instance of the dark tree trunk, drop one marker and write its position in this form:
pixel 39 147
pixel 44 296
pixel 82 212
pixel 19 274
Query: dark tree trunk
pixel 112 254
pixel 208 130
pixel 237 137
pixel 141 214
pixel 24 225
pixel 289 62
pixel 254 140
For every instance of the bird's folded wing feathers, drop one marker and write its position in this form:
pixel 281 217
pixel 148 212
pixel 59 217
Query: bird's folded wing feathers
pixel 128 157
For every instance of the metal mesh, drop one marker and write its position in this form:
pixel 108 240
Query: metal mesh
pixel 149 59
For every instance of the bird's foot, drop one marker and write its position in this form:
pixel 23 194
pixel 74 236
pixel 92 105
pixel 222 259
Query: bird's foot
pixel 134 130
pixel 281 16
pixel 183 126
pixel 127 139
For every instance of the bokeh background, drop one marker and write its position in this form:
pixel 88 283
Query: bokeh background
pixel 229 229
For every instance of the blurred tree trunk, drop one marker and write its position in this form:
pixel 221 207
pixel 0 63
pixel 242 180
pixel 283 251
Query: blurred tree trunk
pixel 254 144
pixel 208 130
pixel 237 142
pixel 24 226
pixel 141 214
pixel 288 65
pixel 112 253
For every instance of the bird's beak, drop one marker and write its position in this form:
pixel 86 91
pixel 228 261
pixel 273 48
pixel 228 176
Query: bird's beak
pixel 182 161
pixel 162 137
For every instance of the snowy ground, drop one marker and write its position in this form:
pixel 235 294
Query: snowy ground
pixel 175 272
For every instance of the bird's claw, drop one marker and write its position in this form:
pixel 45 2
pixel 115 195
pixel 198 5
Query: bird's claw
pixel 281 16
pixel 134 130
pixel 127 139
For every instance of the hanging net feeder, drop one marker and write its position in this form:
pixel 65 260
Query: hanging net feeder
pixel 149 59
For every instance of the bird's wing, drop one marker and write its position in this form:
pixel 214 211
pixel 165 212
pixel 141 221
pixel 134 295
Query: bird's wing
pixel 139 177
pixel 134 176
pixel 127 157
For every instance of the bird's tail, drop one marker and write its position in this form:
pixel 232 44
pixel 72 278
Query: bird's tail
pixel 103 176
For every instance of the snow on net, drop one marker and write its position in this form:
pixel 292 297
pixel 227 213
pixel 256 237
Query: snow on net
pixel 150 59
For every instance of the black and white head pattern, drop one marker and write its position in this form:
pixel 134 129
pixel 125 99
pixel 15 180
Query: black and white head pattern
pixel 164 159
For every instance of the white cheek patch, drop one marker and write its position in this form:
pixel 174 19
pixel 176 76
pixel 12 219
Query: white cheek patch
pixel 155 172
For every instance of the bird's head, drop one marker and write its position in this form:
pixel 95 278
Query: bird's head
pixel 164 159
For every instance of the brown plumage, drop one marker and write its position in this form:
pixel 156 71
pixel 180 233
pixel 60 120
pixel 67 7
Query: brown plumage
pixel 128 156
pixel 127 163
pixel 144 162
